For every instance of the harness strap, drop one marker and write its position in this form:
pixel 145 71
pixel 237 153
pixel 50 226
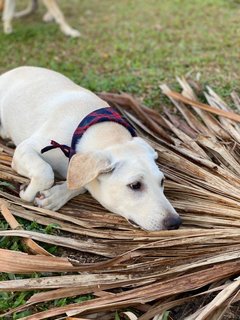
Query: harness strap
pixel 54 145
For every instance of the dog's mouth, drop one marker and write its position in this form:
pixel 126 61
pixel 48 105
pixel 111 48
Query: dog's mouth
pixel 170 223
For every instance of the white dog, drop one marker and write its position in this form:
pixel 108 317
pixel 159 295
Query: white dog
pixel 118 169
pixel 53 13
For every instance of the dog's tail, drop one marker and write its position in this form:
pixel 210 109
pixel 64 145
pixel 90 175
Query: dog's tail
pixel 32 7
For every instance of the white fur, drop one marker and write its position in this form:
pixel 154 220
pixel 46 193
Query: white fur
pixel 53 13
pixel 38 105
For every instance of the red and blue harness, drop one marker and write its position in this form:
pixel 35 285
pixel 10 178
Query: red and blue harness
pixel 97 116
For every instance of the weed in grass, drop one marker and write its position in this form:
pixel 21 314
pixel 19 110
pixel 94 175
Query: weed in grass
pixel 66 301
pixel 166 315
pixel 12 300
pixel 117 316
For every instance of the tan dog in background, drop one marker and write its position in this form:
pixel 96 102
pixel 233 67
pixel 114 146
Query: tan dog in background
pixel 1 5
pixel 53 13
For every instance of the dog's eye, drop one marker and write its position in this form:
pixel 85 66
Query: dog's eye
pixel 135 186
pixel 162 182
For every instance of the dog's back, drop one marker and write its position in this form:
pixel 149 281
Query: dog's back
pixel 38 97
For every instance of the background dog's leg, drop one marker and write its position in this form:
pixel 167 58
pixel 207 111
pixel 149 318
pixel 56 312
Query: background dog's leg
pixel 27 162
pixel 56 197
pixel 48 17
pixel 54 10
pixel 8 14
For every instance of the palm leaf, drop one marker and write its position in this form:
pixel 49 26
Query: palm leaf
pixel 199 152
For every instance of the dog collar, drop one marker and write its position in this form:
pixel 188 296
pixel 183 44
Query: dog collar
pixel 97 116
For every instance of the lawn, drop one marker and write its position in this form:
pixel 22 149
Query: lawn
pixel 131 46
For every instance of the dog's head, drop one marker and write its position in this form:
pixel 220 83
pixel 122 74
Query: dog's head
pixel 126 180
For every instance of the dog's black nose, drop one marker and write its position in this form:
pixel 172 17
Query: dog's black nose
pixel 172 222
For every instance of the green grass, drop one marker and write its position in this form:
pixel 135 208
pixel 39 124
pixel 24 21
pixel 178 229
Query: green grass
pixel 132 46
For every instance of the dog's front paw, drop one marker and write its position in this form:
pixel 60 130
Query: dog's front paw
pixel 71 32
pixel 47 201
pixel 55 197
pixel 7 28
pixel 24 194
pixel 50 199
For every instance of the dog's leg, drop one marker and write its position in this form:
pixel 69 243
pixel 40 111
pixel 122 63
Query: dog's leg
pixel 54 10
pixel 48 17
pixel 27 162
pixel 56 197
pixel 8 14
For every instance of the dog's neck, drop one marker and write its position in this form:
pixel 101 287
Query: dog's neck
pixel 97 131
pixel 103 135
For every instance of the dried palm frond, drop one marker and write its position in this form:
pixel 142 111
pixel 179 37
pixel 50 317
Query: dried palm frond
pixel 199 152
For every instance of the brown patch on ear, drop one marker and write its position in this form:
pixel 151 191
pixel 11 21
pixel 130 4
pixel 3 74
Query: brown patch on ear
pixel 83 168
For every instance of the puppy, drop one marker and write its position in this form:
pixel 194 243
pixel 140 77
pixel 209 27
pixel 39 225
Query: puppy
pixel 106 157
pixel 53 13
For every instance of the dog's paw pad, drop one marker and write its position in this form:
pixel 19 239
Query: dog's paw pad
pixel 40 196
pixel 46 199
pixel 40 202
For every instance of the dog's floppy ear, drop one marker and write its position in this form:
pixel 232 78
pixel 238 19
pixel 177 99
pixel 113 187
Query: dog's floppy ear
pixel 83 168
pixel 147 146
